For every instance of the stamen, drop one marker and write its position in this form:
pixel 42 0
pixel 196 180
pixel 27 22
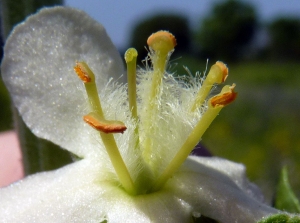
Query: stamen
pixel 226 96
pixel 96 117
pixel 90 86
pixel 161 44
pixel 217 74
pixel 106 126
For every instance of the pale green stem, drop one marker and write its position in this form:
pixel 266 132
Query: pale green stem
pixel 117 162
pixel 188 146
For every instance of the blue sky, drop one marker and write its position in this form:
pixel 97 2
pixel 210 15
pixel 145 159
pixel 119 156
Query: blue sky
pixel 119 17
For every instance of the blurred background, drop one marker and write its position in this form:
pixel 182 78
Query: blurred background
pixel 260 42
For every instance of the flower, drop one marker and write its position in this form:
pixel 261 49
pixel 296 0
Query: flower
pixel 141 175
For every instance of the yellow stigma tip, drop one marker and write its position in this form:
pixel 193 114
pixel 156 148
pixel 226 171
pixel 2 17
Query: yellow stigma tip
pixel 130 54
pixel 82 72
pixel 103 125
pixel 224 69
pixel 225 97
pixel 162 41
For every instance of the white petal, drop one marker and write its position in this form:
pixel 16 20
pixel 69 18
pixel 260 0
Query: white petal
pixel 81 192
pixel 218 188
pixel 78 193
pixel 37 68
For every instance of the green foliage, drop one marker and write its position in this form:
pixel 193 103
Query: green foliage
pixel 281 218
pixel 285 197
pixel 285 38
pixel 230 27
pixel 176 24
pixel 5 112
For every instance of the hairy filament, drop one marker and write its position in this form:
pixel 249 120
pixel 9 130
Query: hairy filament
pixel 161 43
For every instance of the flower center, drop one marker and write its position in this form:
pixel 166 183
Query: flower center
pixel 149 179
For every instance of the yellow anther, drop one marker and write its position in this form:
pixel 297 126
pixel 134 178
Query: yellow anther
pixel 162 41
pixel 130 54
pixel 83 72
pixel 102 125
pixel 226 96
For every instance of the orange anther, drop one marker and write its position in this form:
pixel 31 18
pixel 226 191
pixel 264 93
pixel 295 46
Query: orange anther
pixel 104 126
pixel 82 72
pixel 224 99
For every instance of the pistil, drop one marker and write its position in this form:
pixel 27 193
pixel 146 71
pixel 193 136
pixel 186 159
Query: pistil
pixel 161 45
pixel 130 58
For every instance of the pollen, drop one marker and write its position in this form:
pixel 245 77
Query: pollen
pixel 82 72
pixel 225 98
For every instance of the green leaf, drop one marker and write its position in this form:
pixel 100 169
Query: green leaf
pixel 280 218
pixel 285 198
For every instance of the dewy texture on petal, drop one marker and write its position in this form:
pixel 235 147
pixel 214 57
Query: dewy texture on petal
pixel 213 187
pixel 38 70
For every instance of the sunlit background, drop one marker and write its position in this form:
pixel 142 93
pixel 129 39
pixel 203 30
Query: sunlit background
pixel 260 42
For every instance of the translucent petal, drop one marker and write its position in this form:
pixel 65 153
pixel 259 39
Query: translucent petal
pixel 83 192
pixel 219 189
pixel 37 68
pixel 78 193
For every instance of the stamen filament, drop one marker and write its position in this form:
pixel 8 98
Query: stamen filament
pixel 217 74
pixel 90 87
pixel 193 138
pixel 108 139
pixel 118 162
